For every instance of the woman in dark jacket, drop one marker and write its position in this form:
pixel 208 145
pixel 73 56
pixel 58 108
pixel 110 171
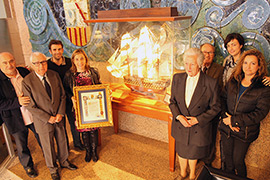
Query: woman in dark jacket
pixel 245 103
pixel 81 74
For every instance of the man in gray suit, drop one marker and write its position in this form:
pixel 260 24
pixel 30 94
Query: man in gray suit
pixel 47 104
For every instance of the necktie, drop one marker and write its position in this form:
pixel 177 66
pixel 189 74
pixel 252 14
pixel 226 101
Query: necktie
pixel 205 69
pixel 47 87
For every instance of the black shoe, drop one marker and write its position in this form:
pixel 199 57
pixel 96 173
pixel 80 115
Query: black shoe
pixel 55 176
pixel 31 172
pixel 70 166
pixel 80 147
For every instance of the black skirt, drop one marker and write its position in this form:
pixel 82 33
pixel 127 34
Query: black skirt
pixel 191 151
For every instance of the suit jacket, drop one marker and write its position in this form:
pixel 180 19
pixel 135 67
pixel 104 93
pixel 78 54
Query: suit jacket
pixel 10 112
pixel 204 105
pixel 216 71
pixel 41 105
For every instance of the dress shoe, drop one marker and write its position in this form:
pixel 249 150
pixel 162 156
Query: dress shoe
pixel 70 166
pixel 31 172
pixel 55 176
pixel 80 147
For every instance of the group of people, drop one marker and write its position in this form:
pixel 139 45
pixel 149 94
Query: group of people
pixel 39 101
pixel 232 98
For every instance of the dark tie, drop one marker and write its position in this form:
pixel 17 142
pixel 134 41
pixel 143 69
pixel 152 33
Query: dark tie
pixel 205 69
pixel 47 87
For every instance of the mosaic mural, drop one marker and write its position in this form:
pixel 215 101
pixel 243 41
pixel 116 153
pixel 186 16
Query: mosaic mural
pixel 211 21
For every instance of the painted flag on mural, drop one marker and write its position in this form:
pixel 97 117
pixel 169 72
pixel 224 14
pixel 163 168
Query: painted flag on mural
pixel 76 12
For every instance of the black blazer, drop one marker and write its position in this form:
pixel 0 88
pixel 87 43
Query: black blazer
pixel 204 105
pixel 9 104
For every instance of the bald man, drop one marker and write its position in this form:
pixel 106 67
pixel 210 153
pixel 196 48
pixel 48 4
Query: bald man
pixel 48 105
pixel 13 109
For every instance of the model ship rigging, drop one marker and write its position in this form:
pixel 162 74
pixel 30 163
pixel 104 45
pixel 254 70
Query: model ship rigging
pixel 139 62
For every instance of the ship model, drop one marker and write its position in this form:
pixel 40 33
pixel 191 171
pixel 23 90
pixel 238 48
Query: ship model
pixel 142 62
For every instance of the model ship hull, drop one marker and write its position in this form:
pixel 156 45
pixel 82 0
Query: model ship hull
pixel 146 85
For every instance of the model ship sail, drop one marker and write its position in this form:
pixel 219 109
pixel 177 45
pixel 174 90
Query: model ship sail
pixel 138 61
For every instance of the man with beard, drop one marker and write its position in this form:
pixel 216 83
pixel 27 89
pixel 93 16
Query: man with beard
pixel 61 65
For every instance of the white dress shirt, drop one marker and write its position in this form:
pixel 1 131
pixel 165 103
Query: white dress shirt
pixel 191 84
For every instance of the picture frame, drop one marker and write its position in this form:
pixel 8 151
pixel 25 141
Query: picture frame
pixel 93 106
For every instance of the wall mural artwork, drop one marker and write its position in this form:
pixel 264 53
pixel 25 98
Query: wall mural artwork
pixel 43 27
pixel 100 5
pixel 59 14
pixel 212 21
pixel 76 12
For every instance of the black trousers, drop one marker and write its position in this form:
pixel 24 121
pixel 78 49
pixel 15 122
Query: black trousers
pixel 21 140
pixel 71 119
pixel 235 152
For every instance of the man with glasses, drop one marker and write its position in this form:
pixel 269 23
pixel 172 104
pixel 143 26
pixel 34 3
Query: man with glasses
pixel 47 104
pixel 215 71
pixel 13 109
pixel 209 67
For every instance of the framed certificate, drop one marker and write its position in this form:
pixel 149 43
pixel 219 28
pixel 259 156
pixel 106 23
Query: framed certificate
pixel 93 106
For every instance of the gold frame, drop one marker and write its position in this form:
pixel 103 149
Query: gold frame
pixel 93 107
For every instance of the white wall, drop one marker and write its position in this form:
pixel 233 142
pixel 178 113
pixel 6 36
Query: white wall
pixel 2 10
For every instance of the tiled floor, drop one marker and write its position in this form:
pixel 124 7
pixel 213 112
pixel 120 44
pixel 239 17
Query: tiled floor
pixel 8 175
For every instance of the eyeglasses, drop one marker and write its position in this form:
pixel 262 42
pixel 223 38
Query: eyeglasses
pixel 210 53
pixel 38 63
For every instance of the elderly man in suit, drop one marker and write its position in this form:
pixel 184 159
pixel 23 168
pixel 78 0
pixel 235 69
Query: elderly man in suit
pixel 194 103
pixel 215 71
pixel 209 67
pixel 47 104
pixel 13 109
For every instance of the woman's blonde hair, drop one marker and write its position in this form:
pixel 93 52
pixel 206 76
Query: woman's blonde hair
pixel 262 71
pixel 76 52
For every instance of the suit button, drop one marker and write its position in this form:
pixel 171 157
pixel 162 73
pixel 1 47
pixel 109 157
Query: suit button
pixel 236 124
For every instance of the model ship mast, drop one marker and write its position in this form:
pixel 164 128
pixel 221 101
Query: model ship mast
pixel 143 58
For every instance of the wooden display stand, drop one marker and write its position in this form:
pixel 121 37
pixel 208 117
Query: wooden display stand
pixel 127 101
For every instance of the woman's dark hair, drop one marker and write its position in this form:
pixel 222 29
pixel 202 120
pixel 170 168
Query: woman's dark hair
pixel 262 71
pixel 236 36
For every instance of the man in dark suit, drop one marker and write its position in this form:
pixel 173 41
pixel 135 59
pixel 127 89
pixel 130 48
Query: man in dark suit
pixel 13 110
pixel 194 103
pixel 209 67
pixel 47 104
pixel 215 71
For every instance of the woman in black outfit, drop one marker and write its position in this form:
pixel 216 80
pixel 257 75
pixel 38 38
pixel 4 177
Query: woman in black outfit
pixel 245 102
pixel 81 74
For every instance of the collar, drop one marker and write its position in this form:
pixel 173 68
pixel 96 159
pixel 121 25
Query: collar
pixel 194 77
pixel 17 75
pixel 41 77
pixel 3 76
pixel 63 61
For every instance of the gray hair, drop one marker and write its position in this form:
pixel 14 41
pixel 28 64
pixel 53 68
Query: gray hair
pixel 194 52
pixel 33 54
